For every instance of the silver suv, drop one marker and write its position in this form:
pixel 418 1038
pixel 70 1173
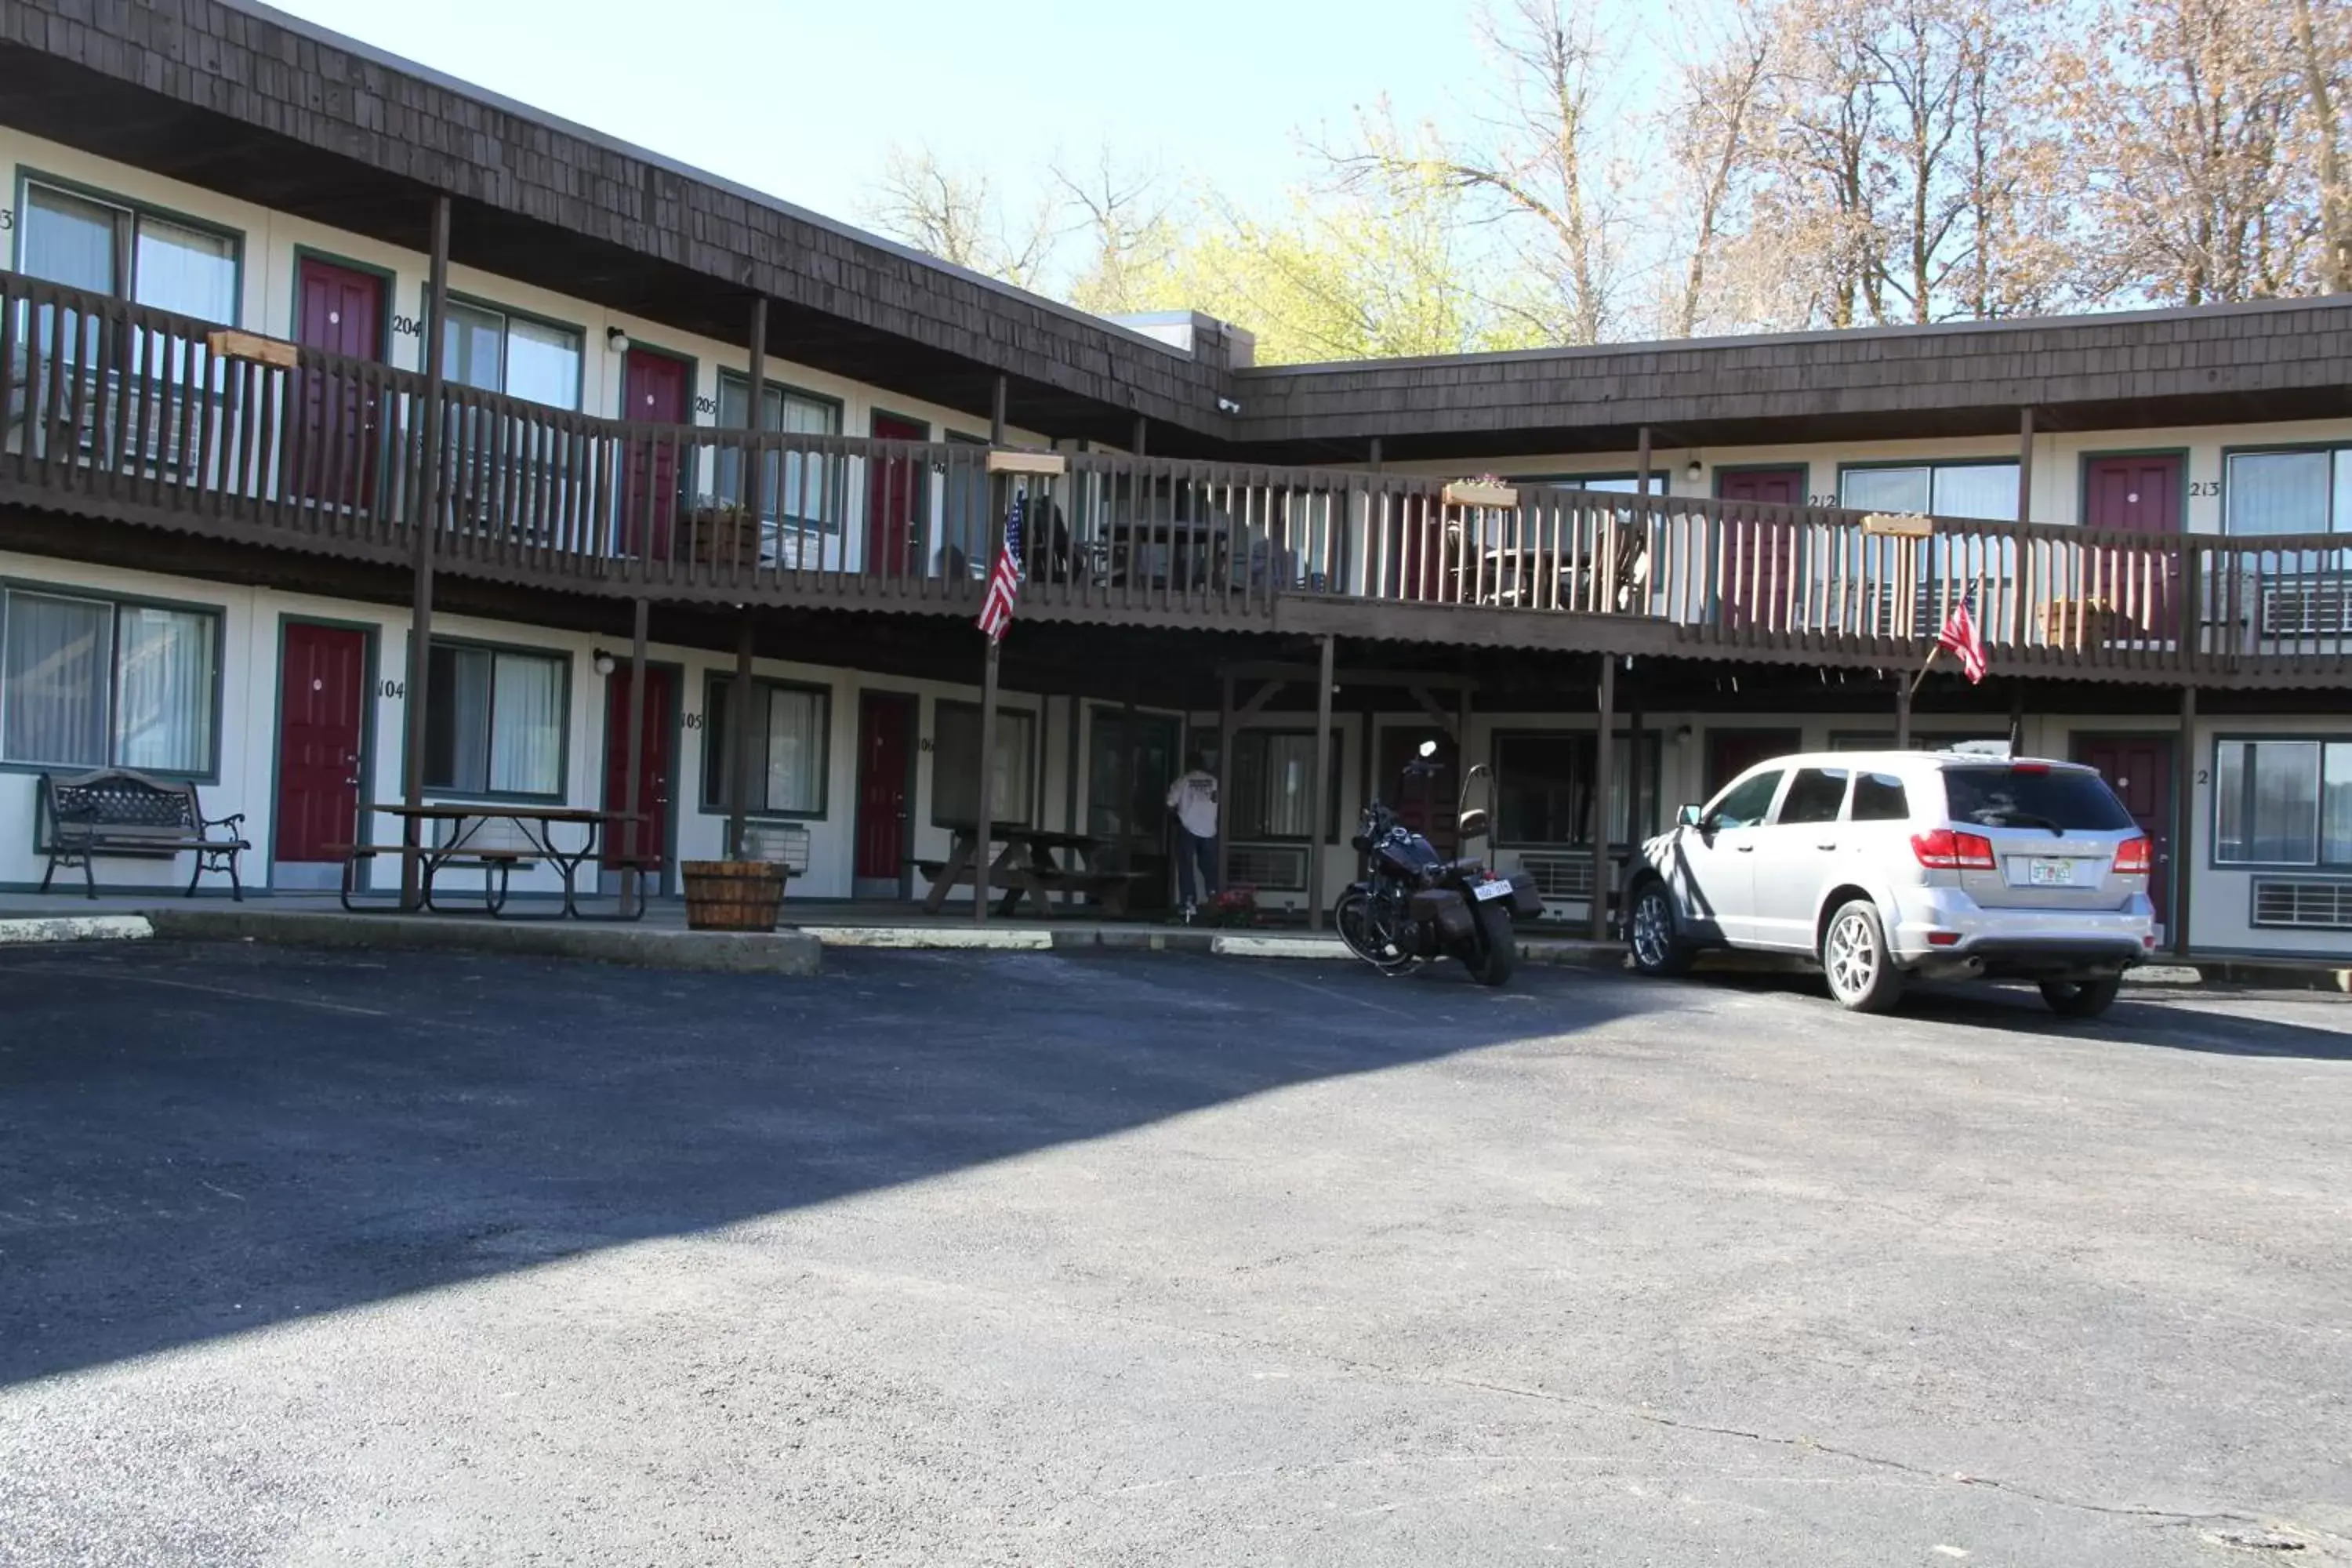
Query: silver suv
pixel 1884 864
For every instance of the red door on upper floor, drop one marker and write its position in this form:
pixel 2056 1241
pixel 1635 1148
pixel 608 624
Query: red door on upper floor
pixel 2139 770
pixel 2138 494
pixel 885 726
pixel 1759 551
pixel 332 457
pixel 894 501
pixel 647 839
pixel 321 716
pixel 652 391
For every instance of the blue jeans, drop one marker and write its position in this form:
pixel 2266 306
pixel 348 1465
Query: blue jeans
pixel 1196 867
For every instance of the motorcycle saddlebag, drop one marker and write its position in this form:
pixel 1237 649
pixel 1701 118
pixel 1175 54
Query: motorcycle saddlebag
pixel 1444 909
pixel 1526 902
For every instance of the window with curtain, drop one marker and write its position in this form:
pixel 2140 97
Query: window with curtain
pixel 794 486
pixel 2282 803
pixel 114 248
pixel 494 721
pixel 90 683
pixel 1614 484
pixel 1987 491
pixel 1274 788
pixel 1543 788
pixel 2288 493
pixel 788 741
pixel 955 752
pixel 485 347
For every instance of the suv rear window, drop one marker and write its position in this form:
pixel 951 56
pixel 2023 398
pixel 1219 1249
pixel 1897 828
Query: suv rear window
pixel 2075 800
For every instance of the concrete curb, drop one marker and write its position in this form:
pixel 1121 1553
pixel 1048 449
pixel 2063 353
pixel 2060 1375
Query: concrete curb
pixel 731 952
pixel 983 938
pixel 75 928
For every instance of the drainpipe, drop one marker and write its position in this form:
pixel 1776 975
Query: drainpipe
pixel 425 523
pixel 1603 774
pixel 1322 788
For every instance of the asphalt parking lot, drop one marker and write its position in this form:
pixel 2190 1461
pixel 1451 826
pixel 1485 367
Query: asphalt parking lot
pixel 1112 1258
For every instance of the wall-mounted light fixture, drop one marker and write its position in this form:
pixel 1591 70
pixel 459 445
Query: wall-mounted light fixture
pixel 1693 470
pixel 617 340
pixel 601 662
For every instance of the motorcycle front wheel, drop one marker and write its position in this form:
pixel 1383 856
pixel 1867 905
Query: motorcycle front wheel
pixel 1357 920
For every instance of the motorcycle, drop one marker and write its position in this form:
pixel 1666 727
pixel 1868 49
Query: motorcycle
pixel 1415 905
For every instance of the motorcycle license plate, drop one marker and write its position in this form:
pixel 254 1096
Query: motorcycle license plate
pixel 2049 873
pixel 1486 892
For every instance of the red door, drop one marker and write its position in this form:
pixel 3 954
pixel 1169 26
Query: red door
pixel 332 459
pixel 321 710
pixel 885 724
pixel 1760 550
pixel 652 391
pixel 1422 802
pixel 1731 752
pixel 648 836
pixel 894 493
pixel 2139 770
pixel 2138 495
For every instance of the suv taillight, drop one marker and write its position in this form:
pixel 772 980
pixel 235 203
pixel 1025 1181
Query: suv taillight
pixel 1945 850
pixel 2132 857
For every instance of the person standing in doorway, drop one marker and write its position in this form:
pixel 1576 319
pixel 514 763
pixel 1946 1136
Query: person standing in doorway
pixel 1194 799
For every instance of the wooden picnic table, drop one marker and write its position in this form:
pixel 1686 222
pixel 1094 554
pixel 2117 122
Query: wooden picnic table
pixel 472 843
pixel 1027 865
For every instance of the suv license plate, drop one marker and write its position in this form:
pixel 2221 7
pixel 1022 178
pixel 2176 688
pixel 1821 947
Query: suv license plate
pixel 1486 892
pixel 2050 873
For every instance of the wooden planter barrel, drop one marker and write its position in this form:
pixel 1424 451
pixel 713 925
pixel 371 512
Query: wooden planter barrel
pixel 733 895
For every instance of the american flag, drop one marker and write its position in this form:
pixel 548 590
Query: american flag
pixel 1004 583
pixel 1963 639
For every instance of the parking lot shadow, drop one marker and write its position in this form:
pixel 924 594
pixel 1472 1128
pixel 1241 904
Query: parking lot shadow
pixel 199 1140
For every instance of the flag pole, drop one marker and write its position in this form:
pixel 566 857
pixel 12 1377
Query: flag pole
pixel 1921 679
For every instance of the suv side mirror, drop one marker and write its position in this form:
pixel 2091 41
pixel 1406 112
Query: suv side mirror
pixel 1688 816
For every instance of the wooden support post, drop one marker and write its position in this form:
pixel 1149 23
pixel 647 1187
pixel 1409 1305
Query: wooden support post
pixel 425 525
pixel 1902 714
pixel 632 799
pixel 982 857
pixel 1642 464
pixel 1636 828
pixel 759 373
pixel 741 759
pixel 1142 428
pixel 2017 607
pixel 2017 718
pixel 2181 866
pixel 1224 782
pixel 1601 803
pixel 1320 821
pixel 996 401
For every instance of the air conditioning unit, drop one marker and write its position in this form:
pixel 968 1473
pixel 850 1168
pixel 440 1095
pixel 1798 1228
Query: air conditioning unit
pixel 2297 903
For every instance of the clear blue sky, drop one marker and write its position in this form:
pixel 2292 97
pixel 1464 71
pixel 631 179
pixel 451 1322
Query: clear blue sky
pixel 799 99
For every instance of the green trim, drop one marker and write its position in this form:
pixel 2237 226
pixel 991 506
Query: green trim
pixel 389 301
pixel 120 601
pixel 840 408
pixel 2083 480
pixel 26 175
pixel 2335 524
pixel 2314 866
pixel 715 681
pixel 833 478
pixel 458 297
pixel 563 743
pixel 371 632
pixel 942 704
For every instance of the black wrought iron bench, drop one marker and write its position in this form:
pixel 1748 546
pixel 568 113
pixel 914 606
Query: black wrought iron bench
pixel 118 812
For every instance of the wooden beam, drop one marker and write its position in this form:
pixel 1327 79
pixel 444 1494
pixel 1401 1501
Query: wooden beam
pixel 1249 709
pixel 2184 822
pixel 1602 775
pixel 997 394
pixel 1010 461
pixel 1902 714
pixel 1318 824
pixel 1277 670
pixel 1446 722
pixel 983 857
pixel 427 489
pixel 632 799
pixel 740 758
pixel 1226 721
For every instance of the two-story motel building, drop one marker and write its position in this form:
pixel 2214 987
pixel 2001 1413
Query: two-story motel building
pixel 215 554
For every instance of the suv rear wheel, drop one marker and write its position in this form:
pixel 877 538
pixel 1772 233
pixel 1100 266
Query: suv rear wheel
pixel 2081 998
pixel 1862 972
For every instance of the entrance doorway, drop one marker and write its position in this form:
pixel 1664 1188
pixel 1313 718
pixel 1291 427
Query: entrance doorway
pixel 2141 493
pixel 652 391
pixel 885 790
pixel 1131 760
pixel 1760 555
pixel 1730 753
pixel 1423 802
pixel 894 500
pixel 339 310
pixel 2138 768
pixel 322 707
pixel 648 838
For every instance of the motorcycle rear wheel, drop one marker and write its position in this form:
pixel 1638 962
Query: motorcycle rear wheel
pixel 1498 946
pixel 1358 922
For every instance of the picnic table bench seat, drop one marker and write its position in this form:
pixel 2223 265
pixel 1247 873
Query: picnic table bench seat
pixel 117 811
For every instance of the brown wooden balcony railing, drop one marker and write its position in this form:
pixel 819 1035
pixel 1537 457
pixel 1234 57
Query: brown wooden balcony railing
pixel 113 410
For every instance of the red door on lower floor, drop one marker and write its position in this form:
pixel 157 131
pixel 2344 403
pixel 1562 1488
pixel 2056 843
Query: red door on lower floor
pixel 1731 752
pixel 1424 798
pixel 886 727
pixel 1759 559
pixel 648 838
pixel 321 716
pixel 2139 770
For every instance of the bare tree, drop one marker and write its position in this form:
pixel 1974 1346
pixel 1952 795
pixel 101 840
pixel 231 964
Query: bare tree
pixel 1712 139
pixel 958 216
pixel 2323 57
pixel 1128 219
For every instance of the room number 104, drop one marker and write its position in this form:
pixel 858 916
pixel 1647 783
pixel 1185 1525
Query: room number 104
pixel 395 690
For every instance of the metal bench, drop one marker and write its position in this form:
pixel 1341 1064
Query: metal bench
pixel 116 812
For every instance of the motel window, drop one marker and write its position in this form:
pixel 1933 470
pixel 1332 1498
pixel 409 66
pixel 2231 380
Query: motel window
pixel 794 487
pixel 787 740
pixel 2307 491
pixel 955 752
pixel 1985 490
pixel 1543 788
pixel 93 683
pixel 494 721
pixel 498 351
pixel 129 252
pixel 1623 484
pixel 2282 803
pixel 1274 787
